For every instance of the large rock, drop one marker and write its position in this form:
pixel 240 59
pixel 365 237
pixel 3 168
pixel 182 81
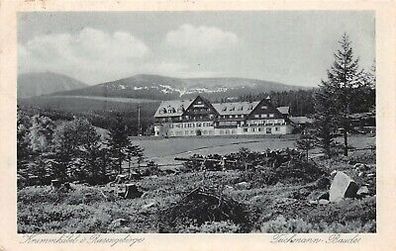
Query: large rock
pixel 363 191
pixel 342 187
pixel 242 185
pixel 323 202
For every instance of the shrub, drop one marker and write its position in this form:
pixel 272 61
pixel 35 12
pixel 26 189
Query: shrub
pixel 211 227
pixel 283 225
pixel 202 205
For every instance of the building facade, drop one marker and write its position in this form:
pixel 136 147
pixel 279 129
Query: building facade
pixel 200 117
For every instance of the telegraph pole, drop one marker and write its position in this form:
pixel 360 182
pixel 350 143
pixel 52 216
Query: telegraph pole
pixel 139 125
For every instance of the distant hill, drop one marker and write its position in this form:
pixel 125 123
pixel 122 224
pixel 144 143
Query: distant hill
pixel 36 84
pixel 157 87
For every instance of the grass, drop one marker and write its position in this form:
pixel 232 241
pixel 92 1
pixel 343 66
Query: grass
pixel 164 150
pixel 283 207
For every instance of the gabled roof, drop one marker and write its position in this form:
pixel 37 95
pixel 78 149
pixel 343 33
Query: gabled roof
pixel 285 110
pixel 235 108
pixel 172 108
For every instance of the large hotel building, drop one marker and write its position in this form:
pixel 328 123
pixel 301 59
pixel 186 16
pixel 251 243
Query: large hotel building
pixel 199 117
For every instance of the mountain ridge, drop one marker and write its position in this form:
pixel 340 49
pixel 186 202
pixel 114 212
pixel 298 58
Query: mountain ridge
pixel 41 83
pixel 150 86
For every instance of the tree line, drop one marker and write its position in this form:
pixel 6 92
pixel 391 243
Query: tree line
pixel 71 150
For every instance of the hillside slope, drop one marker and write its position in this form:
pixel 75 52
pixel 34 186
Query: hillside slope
pixel 36 84
pixel 164 88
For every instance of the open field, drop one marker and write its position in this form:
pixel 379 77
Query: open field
pixel 164 150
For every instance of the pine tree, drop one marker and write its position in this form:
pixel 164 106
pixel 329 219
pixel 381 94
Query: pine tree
pixel 306 142
pixel 118 141
pixel 77 151
pixel 23 141
pixel 133 152
pixel 344 85
pixel 41 133
pixel 324 118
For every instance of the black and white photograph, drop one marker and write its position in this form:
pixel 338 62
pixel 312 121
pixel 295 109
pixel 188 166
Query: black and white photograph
pixel 196 122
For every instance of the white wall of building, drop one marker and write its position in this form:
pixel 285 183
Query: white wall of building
pixel 207 129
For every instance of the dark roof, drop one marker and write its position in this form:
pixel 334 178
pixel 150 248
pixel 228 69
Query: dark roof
pixel 172 108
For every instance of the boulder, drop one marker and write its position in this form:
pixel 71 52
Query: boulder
pixel 242 185
pixel 324 196
pixel 342 187
pixel 323 202
pixel 363 191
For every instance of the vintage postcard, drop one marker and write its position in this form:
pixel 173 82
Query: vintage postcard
pixel 182 125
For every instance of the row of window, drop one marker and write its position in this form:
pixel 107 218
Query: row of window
pixel 267 130
pixel 265 122
pixel 171 110
pixel 271 115
pixel 191 125
pixel 190 133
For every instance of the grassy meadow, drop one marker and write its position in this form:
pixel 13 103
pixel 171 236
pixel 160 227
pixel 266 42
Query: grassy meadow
pixel 281 207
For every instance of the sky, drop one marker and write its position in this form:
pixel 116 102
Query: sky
pixel 291 47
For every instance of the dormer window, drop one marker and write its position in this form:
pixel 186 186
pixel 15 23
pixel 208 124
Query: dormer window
pixel 250 107
pixel 241 108
pixel 224 108
pixel 232 108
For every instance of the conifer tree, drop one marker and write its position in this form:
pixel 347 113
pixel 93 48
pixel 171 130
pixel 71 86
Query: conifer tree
pixel 117 141
pixel 306 142
pixel 343 87
pixel 324 118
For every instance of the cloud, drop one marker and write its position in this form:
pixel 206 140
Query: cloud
pixel 95 56
pixel 90 55
pixel 201 39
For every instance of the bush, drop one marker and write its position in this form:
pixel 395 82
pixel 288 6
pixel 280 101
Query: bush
pixel 283 225
pixel 211 227
pixel 204 205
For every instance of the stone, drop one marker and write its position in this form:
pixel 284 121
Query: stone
pixel 314 202
pixel 324 196
pixel 227 187
pixel 55 183
pixel 323 202
pixel 132 192
pixel 118 223
pixel 363 190
pixel 358 165
pixel 342 187
pixel 242 185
